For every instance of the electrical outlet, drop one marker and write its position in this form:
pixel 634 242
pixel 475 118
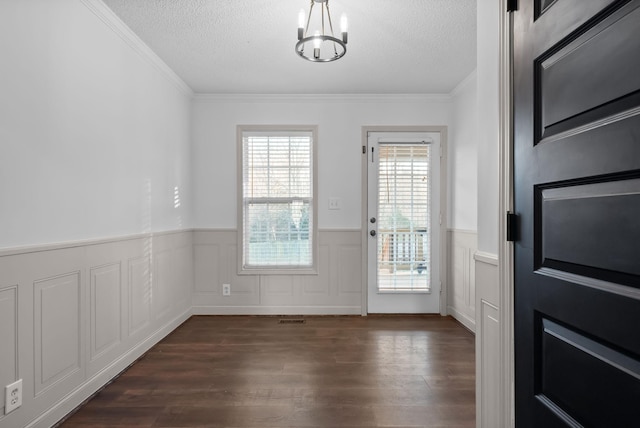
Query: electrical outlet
pixel 334 203
pixel 226 289
pixel 12 396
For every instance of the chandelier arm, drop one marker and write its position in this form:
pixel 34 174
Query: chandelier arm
pixel 335 50
pixel 322 15
pixel 306 30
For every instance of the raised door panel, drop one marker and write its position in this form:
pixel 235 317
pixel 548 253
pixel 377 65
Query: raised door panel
pixel 577 190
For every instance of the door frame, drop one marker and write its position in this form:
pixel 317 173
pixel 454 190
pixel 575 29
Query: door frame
pixel 442 130
pixel 506 284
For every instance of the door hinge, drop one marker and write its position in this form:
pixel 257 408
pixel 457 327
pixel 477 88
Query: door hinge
pixel 512 227
pixel 364 150
pixel 512 5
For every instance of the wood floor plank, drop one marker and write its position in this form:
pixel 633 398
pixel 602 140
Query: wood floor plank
pixel 355 372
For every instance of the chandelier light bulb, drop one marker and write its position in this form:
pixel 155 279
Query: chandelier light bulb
pixel 344 26
pixel 301 24
pixel 317 42
pixel 301 19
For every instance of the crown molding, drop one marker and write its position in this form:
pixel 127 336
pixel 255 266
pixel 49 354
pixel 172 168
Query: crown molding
pixel 321 98
pixel 115 24
pixel 462 85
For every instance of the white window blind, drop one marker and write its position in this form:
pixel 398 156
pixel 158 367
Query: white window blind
pixel 404 262
pixel 277 199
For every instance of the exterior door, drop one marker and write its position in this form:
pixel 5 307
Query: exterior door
pixel 577 194
pixel 404 229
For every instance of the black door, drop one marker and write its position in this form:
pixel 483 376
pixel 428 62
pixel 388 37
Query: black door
pixel 577 192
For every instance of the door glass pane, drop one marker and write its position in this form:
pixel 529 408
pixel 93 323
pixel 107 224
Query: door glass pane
pixel 403 214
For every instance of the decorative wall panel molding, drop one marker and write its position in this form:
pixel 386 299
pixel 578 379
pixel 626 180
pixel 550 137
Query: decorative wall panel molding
pixel 163 278
pixel 105 308
pixel 488 330
pixel 57 329
pixel 336 289
pixel 139 286
pixel 319 285
pixel 348 257
pixel 67 310
pixel 490 344
pixel 207 278
pixel 462 246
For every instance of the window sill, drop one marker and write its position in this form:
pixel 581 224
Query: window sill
pixel 403 292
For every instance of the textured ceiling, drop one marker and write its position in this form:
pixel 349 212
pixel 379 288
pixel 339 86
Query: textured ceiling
pixel 247 46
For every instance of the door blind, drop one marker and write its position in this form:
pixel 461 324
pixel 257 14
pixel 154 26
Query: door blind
pixel 404 218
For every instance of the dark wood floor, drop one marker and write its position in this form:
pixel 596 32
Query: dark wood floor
pixel 393 371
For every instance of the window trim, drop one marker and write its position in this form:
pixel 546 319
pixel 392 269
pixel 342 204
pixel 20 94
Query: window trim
pixel 277 270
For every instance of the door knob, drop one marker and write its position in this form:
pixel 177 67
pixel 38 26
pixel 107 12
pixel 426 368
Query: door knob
pixel 372 233
pixel 372 219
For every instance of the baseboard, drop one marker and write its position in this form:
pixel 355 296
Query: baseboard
pixel 277 310
pixel 463 319
pixel 68 403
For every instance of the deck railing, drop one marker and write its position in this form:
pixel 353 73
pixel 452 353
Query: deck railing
pixel 402 249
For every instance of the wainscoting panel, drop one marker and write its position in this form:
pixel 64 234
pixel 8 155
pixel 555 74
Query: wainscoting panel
pixel 488 330
pixel 72 316
pixel 57 329
pixel 161 291
pixel 207 278
pixel 277 290
pixel 462 246
pixel 490 345
pixel 183 273
pixel 348 278
pixel 106 308
pixel 139 286
pixel 9 335
pixel 319 286
pixel 335 289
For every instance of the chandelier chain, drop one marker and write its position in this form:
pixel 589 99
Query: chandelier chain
pixel 335 50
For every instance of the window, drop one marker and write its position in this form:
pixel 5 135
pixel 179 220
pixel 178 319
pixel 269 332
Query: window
pixel 277 199
pixel 404 261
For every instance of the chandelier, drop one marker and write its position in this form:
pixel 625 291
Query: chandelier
pixel 322 46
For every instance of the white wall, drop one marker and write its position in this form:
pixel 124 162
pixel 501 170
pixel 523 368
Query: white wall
pixel 337 287
pixel 340 120
pixel 94 136
pixel 488 124
pixel 489 313
pixel 94 143
pixel 98 139
pixel 462 223
pixel 463 156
